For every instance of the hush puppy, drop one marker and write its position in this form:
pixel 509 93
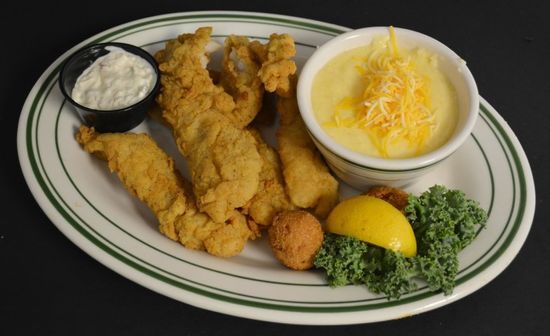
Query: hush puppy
pixel 295 238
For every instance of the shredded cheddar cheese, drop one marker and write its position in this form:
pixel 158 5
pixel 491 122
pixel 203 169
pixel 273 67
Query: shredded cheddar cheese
pixel 395 104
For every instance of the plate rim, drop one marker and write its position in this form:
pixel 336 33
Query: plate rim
pixel 198 300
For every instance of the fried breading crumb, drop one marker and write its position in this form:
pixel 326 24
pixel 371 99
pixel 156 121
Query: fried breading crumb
pixel 295 237
pixel 396 197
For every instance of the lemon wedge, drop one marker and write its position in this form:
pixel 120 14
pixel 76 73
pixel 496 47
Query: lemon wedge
pixel 374 221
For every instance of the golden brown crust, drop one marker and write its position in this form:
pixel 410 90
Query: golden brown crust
pixel 295 238
pixel 277 66
pixel 309 182
pixel 149 173
pixel 239 78
pixel 222 157
pixel 271 197
pixel 396 197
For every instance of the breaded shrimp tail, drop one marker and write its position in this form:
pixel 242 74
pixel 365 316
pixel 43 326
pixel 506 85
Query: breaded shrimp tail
pixel 149 174
pixel 248 67
pixel 239 78
pixel 277 64
pixel 222 157
pixel 308 180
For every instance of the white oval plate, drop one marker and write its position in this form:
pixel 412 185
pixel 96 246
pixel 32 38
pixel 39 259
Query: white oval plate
pixel 90 206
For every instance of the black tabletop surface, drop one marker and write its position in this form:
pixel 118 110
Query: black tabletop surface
pixel 49 286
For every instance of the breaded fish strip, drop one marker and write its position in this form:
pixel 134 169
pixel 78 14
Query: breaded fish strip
pixel 239 78
pixel 308 180
pixel 222 157
pixel 271 197
pixel 277 64
pixel 149 174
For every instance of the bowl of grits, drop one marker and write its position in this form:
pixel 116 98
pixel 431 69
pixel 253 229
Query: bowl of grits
pixel 385 105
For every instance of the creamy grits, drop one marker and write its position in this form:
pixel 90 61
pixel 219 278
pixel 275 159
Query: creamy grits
pixel 343 101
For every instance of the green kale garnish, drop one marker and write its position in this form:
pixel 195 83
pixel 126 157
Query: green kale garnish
pixel 444 222
pixel 389 272
pixel 342 258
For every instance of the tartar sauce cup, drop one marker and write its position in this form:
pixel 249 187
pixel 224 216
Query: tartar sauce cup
pixel 361 170
pixel 113 120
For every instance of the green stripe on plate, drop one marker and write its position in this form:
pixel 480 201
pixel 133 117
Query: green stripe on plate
pixel 499 130
pixel 192 18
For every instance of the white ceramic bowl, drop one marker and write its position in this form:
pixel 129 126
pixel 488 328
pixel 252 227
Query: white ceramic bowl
pixel 360 170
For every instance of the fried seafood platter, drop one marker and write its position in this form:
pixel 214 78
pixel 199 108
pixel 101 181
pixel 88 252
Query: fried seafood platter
pixel 237 183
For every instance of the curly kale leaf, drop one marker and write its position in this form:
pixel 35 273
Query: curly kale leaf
pixel 389 273
pixel 348 260
pixel 342 258
pixel 444 222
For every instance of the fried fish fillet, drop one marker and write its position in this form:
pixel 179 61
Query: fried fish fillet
pixel 149 174
pixel 247 67
pixel 239 78
pixel 223 158
pixel 277 64
pixel 308 180
pixel 271 197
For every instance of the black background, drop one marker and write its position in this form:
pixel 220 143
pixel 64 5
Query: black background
pixel 49 286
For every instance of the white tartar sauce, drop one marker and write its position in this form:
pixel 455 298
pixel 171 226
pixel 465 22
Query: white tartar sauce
pixel 114 81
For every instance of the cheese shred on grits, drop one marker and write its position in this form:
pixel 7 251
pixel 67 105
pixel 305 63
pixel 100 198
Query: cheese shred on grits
pixel 386 101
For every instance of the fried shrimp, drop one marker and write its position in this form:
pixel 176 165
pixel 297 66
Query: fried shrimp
pixel 277 66
pixel 239 78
